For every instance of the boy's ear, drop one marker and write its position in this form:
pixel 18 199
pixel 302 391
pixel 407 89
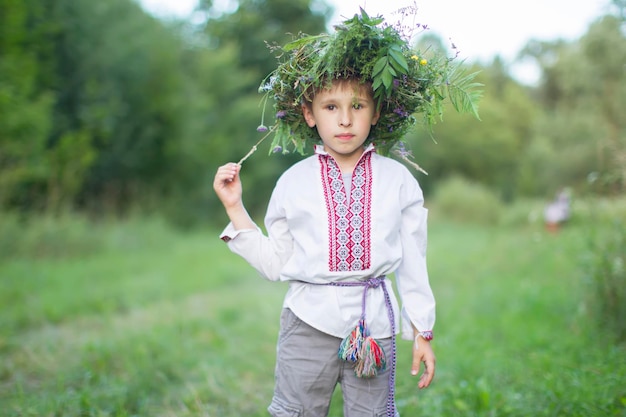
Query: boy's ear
pixel 376 117
pixel 308 115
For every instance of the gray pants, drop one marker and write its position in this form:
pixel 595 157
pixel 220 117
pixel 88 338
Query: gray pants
pixel 308 369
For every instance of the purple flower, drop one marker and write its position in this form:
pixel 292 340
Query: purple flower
pixel 280 114
pixel 401 112
pixel 277 149
pixel 402 150
pixel 262 128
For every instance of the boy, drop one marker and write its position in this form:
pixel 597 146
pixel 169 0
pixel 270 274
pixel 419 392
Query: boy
pixel 342 221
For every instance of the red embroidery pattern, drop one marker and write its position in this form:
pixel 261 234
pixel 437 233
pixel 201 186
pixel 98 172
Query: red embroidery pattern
pixel 349 222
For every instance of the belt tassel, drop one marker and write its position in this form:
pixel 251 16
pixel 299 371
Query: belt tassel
pixel 363 350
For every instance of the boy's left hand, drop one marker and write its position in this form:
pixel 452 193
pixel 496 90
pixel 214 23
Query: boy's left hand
pixel 423 352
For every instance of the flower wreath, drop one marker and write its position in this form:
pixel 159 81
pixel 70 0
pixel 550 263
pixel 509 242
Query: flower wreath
pixel 404 82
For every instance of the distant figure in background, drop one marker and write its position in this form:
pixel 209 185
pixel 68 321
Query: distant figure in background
pixel 558 211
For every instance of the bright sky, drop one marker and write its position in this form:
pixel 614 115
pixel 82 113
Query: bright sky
pixel 480 29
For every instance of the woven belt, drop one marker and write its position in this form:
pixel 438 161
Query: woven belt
pixel 358 347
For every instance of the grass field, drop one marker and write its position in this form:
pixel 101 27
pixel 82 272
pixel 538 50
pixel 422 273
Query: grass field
pixel 160 323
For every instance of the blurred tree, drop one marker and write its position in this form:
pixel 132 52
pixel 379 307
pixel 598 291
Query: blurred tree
pixel 485 151
pixel 26 109
pixel 222 121
pixel 119 84
pixel 256 23
pixel 107 108
pixel 583 94
pixel 534 141
pixel 604 46
pixel 620 7
pixel 143 111
pixel 238 42
pixel 109 84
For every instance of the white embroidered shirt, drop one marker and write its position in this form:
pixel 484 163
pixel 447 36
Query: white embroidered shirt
pixel 318 234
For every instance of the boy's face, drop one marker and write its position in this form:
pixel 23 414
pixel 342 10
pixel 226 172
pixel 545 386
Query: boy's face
pixel 344 115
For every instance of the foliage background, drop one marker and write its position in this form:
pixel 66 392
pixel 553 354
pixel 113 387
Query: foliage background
pixel 118 300
pixel 108 115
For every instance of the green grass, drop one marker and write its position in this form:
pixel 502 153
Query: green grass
pixel 173 324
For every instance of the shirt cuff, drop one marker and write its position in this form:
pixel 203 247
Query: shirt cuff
pixel 229 233
pixel 407 324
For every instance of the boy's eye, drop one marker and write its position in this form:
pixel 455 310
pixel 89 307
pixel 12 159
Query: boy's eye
pixel 331 107
pixel 357 106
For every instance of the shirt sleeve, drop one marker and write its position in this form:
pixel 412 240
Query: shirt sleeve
pixel 265 253
pixel 418 302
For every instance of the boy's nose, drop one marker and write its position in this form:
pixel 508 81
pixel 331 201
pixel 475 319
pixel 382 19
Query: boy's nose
pixel 345 119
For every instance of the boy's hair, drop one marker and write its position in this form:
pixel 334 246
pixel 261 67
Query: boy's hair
pixel 403 81
pixel 355 83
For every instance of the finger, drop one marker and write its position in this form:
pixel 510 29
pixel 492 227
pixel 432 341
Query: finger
pixel 428 375
pixel 415 366
pixel 418 357
pixel 226 173
pixel 222 177
pixel 234 170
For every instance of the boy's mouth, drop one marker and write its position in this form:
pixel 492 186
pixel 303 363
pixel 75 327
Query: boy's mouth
pixel 344 136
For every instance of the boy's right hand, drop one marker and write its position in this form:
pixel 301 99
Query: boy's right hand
pixel 227 184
